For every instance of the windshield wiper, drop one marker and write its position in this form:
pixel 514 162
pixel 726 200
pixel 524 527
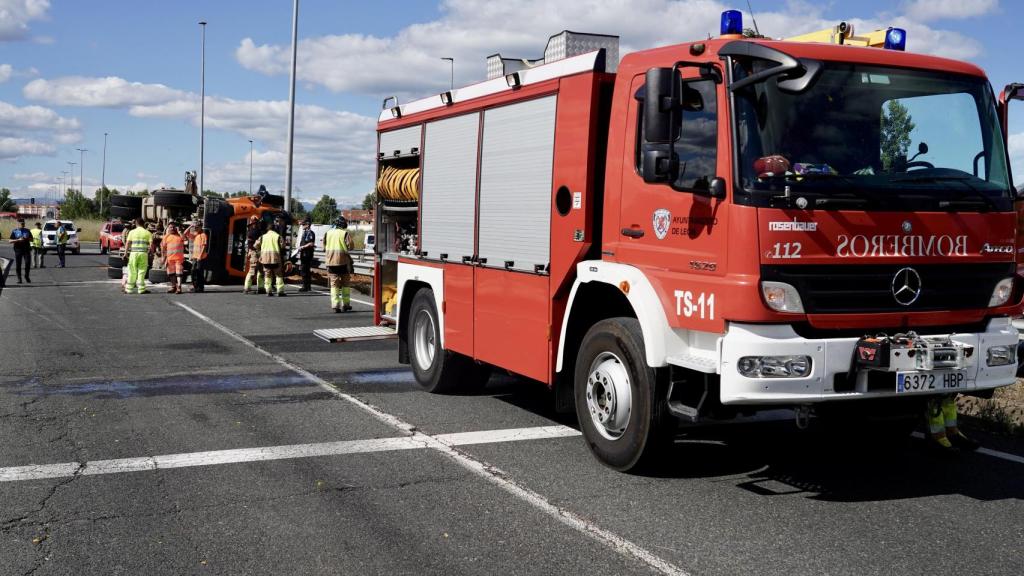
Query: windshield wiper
pixel 965 179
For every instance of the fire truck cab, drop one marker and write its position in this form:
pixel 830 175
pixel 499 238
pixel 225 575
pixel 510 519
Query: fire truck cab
pixel 704 229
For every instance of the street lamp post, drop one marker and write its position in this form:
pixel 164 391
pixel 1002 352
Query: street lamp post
pixel 250 167
pixel 452 62
pixel 202 108
pixel 81 169
pixel 71 165
pixel 291 108
pixel 103 174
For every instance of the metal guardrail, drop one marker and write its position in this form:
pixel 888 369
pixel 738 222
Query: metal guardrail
pixel 362 262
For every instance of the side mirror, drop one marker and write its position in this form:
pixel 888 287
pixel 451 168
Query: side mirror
pixel 717 188
pixel 659 162
pixel 79 229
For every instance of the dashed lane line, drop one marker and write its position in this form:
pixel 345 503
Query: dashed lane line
pixel 482 469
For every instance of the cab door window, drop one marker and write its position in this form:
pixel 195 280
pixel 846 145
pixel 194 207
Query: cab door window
pixel 696 147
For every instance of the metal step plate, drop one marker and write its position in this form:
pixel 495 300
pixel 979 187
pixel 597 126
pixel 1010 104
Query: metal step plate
pixel 356 334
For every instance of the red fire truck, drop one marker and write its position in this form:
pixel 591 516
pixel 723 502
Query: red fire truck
pixel 705 230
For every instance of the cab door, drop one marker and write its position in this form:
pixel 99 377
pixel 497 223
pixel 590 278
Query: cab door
pixel 676 231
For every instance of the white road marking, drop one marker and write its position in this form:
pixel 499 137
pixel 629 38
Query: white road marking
pixel 267 453
pixel 987 452
pixel 486 471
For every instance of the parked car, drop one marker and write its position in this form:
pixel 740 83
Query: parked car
pixel 369 243
pixel 111 237
pixel 50 236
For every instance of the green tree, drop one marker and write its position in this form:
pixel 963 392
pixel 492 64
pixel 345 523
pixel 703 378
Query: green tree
pixel 6 202
pixel 895 135
pixel 212 194
pixel 325 211
pixel 102 198
pixel 297 210
pixel 369 200
pixel 76 206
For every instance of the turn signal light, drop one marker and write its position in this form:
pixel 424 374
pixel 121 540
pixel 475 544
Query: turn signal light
pixel 1002 293
pixel 781 297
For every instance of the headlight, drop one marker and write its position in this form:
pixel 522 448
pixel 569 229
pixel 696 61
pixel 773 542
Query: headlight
pixel 781 297
pixel 1001 355
pixel 1002 293
pixel 774 366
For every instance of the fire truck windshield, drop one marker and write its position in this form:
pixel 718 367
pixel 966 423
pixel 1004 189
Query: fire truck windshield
pixel 872 137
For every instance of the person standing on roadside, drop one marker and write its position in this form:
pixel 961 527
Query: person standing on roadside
pixel 21 239
pixel 307 242
pixel 200 250
pixel 172 249
pixel 137 249
pixel 62 243
pixel 337 244
pixel 252 255
pixel 270 257
pixel 37 246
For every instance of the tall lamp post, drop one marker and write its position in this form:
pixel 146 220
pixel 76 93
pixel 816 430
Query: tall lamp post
pixel 291 108
pixel 452 62
pixel 81 169
pixel 103 174
pixel 250 167
pixel 71 171
pixel 202 107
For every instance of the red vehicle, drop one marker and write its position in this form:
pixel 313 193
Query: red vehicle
pixel 706 230
pixel 110 236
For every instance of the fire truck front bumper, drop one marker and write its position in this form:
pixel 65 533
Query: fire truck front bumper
pixel 772 364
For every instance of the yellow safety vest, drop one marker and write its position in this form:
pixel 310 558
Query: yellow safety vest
pixel 37 238
pixel 270 243
pixel 335 240
pixel 140 239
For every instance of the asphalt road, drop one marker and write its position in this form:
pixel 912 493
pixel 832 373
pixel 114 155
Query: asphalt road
pixel 213 434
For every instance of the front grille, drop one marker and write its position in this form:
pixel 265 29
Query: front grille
pixel 842 289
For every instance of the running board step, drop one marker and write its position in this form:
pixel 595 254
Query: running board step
pixel 356 334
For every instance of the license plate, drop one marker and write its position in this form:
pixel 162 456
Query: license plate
pixel 930 380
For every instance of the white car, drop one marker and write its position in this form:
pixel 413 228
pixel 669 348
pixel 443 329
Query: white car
pixel 50 236
pixel 369 243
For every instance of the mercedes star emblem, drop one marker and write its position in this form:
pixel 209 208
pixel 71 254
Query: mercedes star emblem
pixel 907 228
pixel 906 286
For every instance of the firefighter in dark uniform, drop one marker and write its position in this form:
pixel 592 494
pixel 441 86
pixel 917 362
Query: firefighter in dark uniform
pixel 252 255
pixel 307 242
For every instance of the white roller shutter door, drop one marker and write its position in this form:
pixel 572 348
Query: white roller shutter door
pixel 449 187
pixel 515 184
pixel 402 141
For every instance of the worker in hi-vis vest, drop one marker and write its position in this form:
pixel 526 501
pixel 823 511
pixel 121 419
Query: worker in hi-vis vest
pixel 337 243
pixel 254 270
pixel 270 258
pixel 137 249
pixel 37 246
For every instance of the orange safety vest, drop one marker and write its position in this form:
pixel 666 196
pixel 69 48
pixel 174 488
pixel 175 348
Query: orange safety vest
pixel 173 248
pixel 199 246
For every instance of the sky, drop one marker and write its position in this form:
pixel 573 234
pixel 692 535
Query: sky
pixel 72 70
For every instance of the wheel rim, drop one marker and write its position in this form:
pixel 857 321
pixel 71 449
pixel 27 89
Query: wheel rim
pixel 423 341
pixel 609 396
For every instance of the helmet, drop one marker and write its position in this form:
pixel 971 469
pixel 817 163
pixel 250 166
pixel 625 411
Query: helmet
pixel 254 218
pixel 341 222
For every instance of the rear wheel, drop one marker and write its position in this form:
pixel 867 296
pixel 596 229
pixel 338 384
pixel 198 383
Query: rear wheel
pixel 115 261
pixel 114 273
pixel 157 275
pixel 103 248
pixel 119 200
pixel 125 212
pixel 168 199
pixel 436 369
pixel 620 400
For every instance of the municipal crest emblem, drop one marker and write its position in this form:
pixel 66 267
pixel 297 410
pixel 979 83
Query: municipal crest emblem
pixel 662 223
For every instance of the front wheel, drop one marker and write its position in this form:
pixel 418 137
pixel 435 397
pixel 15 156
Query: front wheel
pixel 438 370
pixel 103 249
pixel 620 400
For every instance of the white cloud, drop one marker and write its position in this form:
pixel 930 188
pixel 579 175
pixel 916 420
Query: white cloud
pixel 5 72
pixel 108 92
pixel 32 176
pixel 16 147
pixel 409 63
pixel 928 10
pixel 15 16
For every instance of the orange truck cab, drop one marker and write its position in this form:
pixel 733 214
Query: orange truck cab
pixel 705 230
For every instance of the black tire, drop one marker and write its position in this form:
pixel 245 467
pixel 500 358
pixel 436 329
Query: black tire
pixel 76 251
pixel 119 200
pixel 446 372
pixel 125 213
pixel 168 199
pixel 616 347
pixel 115 261
pixel 103 249
pixel 114 273
pixel 274 200
pixel 157 276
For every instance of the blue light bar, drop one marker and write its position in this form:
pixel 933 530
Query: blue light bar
pixel 896 39
pixel 732 22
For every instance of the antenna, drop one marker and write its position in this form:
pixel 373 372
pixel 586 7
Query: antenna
pixel 752 19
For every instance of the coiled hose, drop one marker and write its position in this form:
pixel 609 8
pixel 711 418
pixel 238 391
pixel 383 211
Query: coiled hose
pixel 399 184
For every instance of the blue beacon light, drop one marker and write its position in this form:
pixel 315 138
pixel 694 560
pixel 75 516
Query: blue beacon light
pixel 732 22
pixel 895 39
